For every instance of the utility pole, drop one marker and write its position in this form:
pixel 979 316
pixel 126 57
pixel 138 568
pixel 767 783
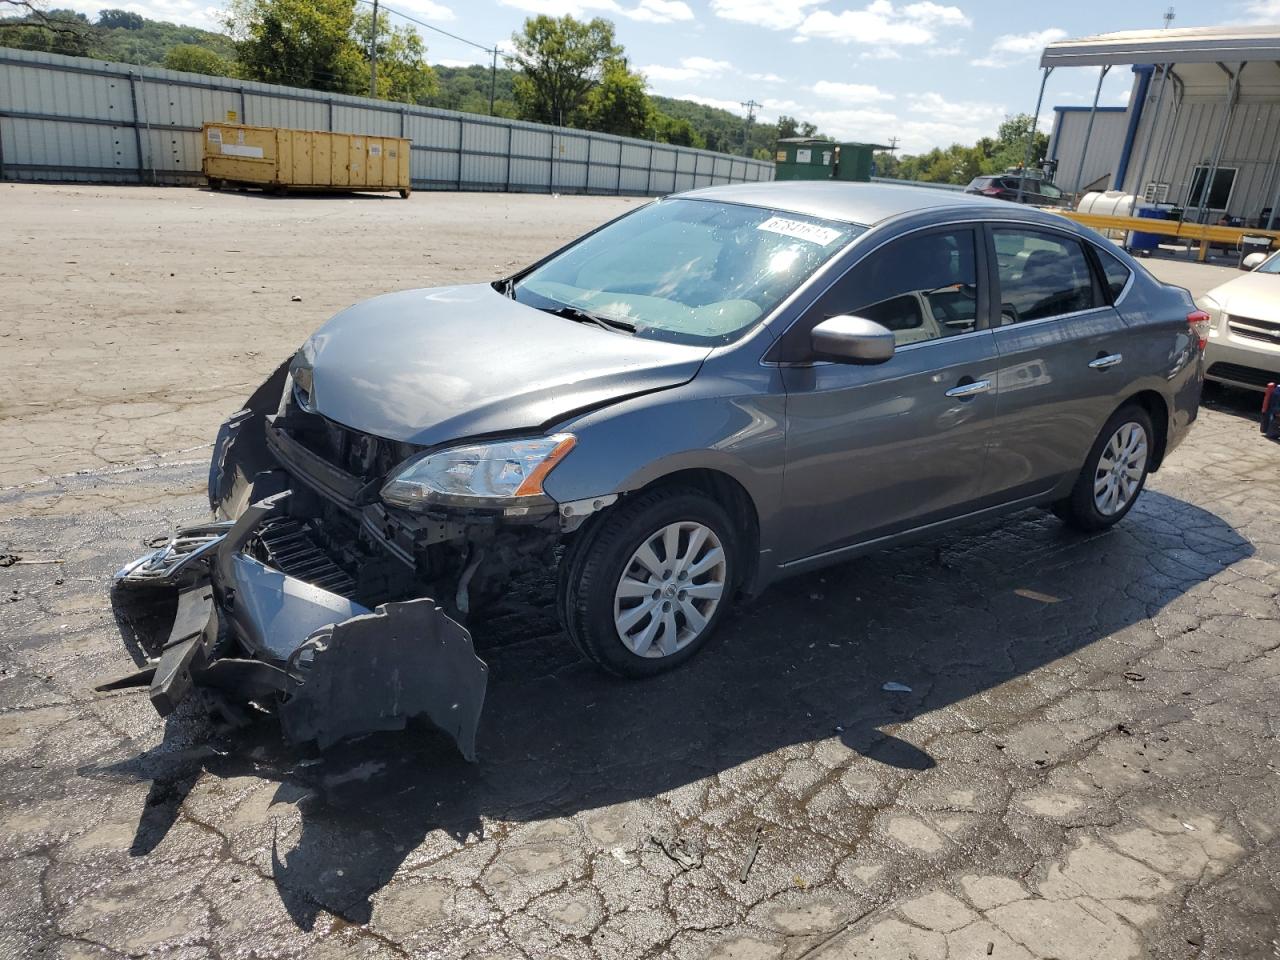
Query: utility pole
pixel 1168 18
pixel 373 53
pixel 893 144
pixel 493 77
pixel 751 115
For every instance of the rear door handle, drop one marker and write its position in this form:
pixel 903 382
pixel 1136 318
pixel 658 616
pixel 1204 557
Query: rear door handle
pixel 1102 363
pixel 970 389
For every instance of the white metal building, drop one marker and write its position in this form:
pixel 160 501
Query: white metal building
pixel 1067 140
pixel 1204 110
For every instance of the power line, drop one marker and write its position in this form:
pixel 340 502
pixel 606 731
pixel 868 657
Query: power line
pixel 429 26
pixel 373 57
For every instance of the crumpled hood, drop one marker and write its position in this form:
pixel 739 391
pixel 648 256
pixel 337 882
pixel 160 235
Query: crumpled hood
pixel 446 363
pixel 1255 295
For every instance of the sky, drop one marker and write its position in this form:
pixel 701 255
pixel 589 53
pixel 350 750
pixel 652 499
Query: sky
pixel 926 72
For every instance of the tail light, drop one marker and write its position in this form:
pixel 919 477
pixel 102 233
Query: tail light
pixel 1199 322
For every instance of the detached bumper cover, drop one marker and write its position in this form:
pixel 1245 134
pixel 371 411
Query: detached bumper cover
pixel 334 668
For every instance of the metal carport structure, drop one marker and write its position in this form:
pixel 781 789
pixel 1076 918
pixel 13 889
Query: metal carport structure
pixel 1204 115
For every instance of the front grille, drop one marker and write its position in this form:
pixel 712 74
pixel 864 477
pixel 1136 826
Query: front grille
pixel 290 546
pixel 1268 331
pixel 1241 374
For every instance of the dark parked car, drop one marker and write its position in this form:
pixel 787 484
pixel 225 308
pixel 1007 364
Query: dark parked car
pixel 710 393
pixel 1035 192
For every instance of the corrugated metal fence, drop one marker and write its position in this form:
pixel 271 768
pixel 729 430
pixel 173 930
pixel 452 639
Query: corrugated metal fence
pixel 70 118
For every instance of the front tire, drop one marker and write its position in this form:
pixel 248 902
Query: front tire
pixel 1114 473
pixel 651 581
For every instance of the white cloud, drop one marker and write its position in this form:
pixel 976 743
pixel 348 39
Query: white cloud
pixel 649 11
pixel 192 13
pixel 733 106
pixel 690 68
pixel 765 77
pixel 1012 47
pixel 479 60
pixel 880 53
pixel 959 112
pixel 772 106
pixel 881 23
pixel 850 92
pixel 659 11
pixel 425 9
pixel 1262 11
pixel 771 14
pixel 561 8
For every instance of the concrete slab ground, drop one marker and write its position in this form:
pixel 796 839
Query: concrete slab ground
pixel 1085 765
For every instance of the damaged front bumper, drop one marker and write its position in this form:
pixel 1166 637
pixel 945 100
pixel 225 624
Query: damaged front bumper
pixel 332 668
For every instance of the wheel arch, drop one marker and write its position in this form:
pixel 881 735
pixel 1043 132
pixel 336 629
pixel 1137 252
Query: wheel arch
pixel 1157 408
pixel 724 489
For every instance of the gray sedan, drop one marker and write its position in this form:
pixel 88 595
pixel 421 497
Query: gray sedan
pixel 710 393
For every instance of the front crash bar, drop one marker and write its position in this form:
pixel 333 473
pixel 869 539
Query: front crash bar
pixel 371 671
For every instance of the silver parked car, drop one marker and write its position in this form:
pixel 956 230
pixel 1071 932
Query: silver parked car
pixel 710 393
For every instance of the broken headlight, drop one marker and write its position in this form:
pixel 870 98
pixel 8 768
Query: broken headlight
pixel 479 475
pixel 300 370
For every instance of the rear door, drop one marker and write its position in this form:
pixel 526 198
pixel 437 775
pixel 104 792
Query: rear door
pixel 1061 369
pixel 875 449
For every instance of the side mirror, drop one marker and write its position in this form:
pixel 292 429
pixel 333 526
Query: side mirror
pixel 847 339
pixel 1252 260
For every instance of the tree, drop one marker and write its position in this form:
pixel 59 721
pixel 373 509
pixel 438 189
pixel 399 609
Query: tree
pixel 559 62
pixel 1010 144
pixel 303 43
pixel 55 31
pixel 618 104
pixel 192 59
pixel 122 19
pixel 678 131
pixel 403 73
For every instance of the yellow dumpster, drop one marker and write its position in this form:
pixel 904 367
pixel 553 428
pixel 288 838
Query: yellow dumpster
pixel 281 160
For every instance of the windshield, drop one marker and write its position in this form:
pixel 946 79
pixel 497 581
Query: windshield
pixel 690 271
pixel 1269 265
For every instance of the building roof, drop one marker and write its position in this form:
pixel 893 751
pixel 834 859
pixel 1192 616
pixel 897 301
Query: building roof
pixel 1182 45
pixel 862 203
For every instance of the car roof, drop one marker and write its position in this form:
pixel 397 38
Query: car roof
pixel 861 203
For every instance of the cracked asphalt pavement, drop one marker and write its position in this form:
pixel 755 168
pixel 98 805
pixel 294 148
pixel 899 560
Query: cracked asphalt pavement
pixel 1083 764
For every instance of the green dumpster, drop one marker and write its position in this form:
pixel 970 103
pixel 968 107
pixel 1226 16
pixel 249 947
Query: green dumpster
pixel 808 158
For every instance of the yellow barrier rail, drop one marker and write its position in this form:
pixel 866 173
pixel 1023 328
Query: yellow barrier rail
pixel 1204 233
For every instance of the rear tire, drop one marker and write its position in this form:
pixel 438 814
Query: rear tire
pixel 1114 473
pixel 651 581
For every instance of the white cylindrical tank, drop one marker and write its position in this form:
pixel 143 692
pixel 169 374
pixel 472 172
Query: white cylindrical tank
pixel 1110 203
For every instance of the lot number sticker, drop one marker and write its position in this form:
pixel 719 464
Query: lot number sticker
pixel 800 230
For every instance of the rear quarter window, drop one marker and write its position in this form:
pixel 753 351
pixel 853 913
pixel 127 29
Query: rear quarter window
pixel 1116 273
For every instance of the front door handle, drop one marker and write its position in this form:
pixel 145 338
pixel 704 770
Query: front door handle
pixel 1102 363
pixel 970 389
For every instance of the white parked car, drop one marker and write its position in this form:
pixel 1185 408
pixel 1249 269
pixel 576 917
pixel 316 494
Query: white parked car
pixel 1244 339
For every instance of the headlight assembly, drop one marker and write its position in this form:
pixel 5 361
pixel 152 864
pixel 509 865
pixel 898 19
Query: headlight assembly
pixel 300 370
pixel 501 473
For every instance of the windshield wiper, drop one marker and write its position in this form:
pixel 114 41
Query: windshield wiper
pixel 586 316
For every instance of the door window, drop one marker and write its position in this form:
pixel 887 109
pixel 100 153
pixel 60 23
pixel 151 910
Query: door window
pixel 922 287
pixel 1042 275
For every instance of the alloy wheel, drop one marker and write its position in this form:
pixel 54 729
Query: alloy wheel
pixel 1120 469
pixel 669 589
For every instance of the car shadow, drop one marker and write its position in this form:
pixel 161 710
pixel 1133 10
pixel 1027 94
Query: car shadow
pixel 807 661
pixel 1236 401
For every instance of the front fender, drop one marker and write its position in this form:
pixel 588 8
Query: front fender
pixel 730 426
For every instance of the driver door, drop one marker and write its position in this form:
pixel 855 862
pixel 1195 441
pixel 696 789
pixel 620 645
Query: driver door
pixel 873 450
